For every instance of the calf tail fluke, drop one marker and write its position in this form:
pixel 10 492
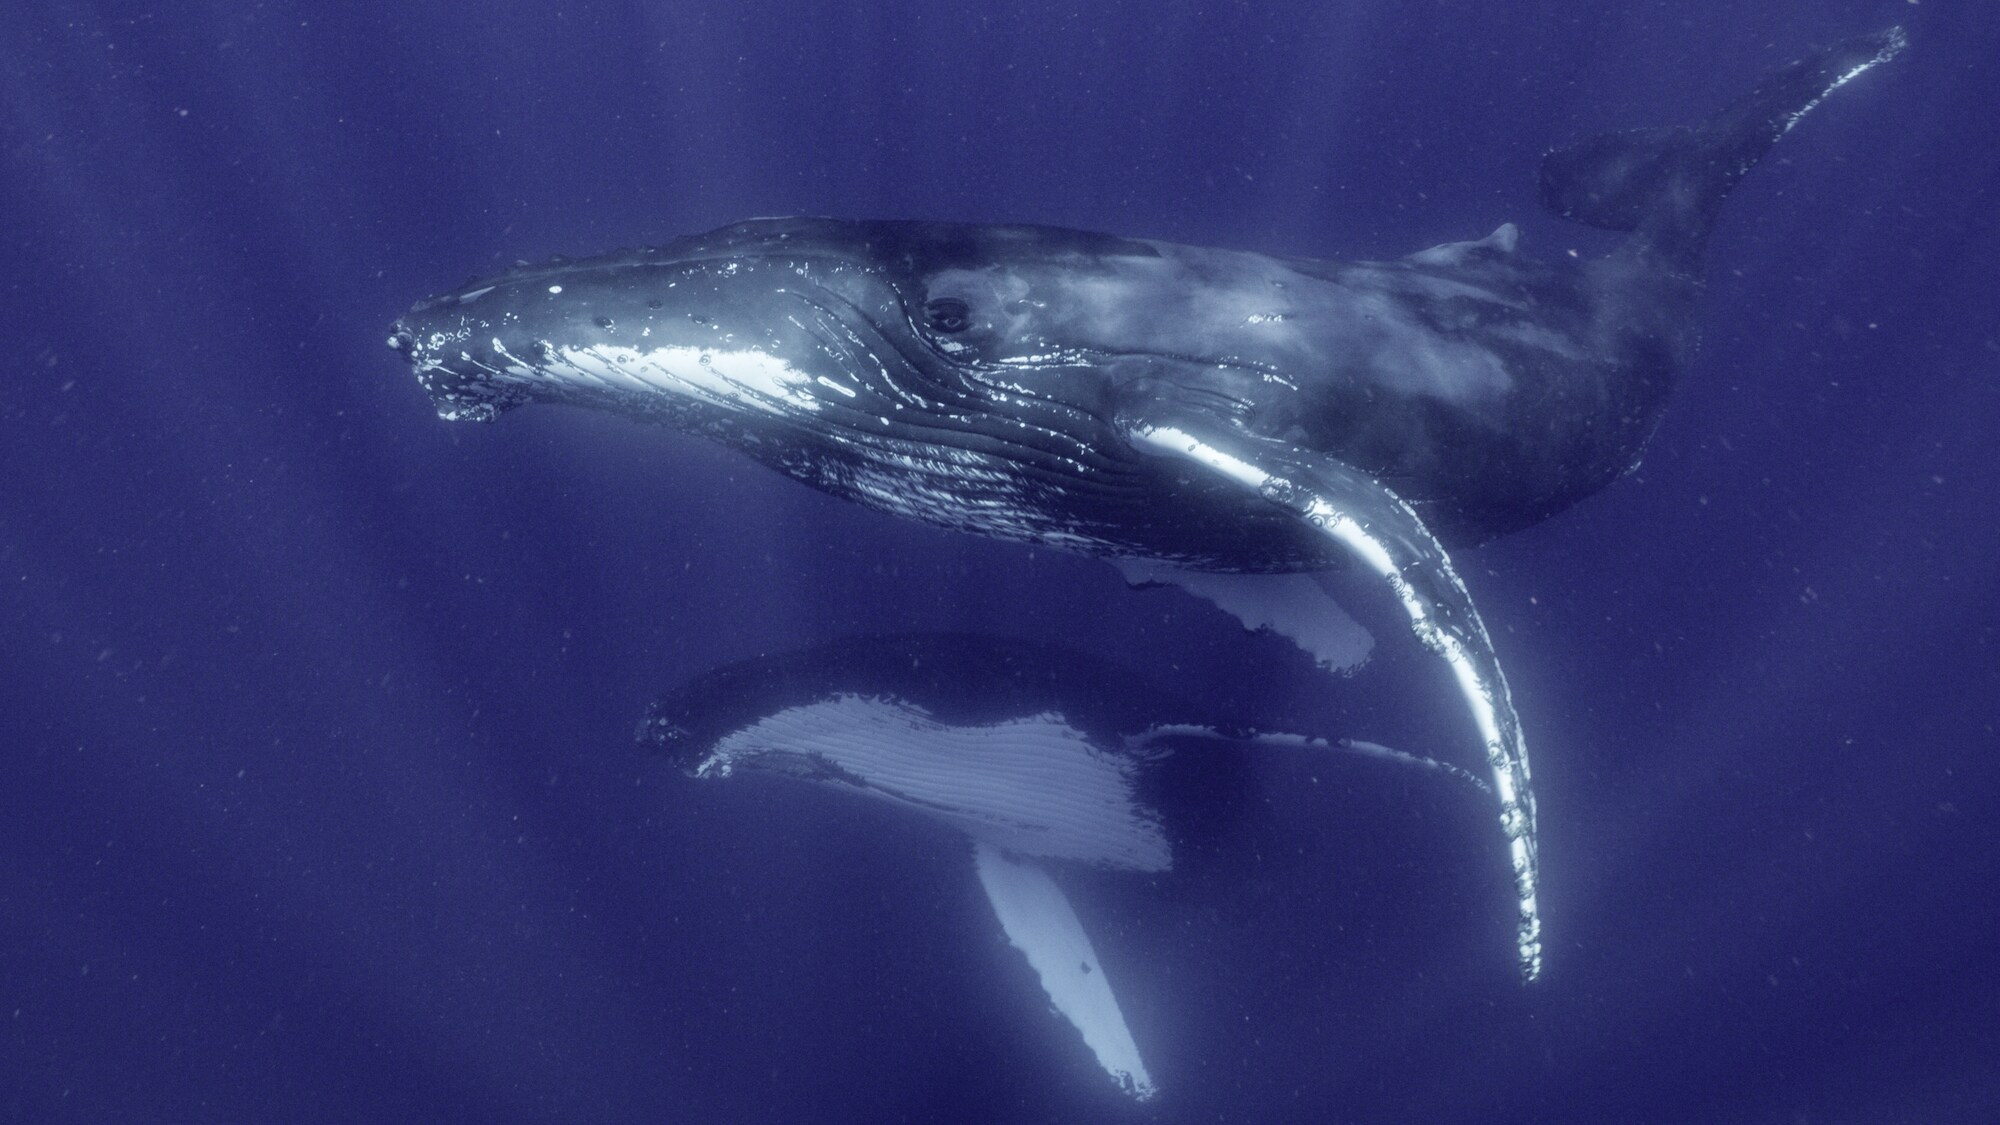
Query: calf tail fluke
pixel 1666 184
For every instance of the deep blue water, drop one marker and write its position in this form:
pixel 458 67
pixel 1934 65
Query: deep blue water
pixel 318 800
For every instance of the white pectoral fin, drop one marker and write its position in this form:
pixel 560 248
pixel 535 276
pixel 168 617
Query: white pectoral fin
pixel 1041 924
pixel 1295 606
pixel 1385 534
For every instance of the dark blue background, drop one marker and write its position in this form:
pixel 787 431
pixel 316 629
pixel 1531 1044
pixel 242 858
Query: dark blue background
pixel 317 799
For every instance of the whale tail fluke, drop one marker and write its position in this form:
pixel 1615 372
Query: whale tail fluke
pixel 1666 184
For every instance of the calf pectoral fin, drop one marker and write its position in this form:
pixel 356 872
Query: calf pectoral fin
pixel 1041 924
pixel 1385 535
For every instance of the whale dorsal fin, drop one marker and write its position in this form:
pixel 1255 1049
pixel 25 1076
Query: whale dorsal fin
pixel 1505 239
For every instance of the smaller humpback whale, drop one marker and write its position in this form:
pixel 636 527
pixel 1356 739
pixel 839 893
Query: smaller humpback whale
pixel 1041 756
pixel 1169 405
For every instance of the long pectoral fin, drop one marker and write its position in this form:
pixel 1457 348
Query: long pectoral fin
pixel 1041 924
pixel 1380 530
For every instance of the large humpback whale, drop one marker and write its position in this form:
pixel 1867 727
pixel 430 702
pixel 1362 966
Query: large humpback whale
pixel 1043 757
pixel 1211 409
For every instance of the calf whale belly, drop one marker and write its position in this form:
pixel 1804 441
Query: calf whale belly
pixel 1139 400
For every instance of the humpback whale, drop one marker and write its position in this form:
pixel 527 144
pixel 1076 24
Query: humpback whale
pixel 1041 756
pixel 1203 409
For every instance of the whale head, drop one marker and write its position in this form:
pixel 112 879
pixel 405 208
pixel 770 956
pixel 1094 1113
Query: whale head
pixel 803 320
pixel 966 376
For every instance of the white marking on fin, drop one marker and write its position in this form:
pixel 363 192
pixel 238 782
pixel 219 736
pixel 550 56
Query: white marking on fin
pixel 1294 606
pixel 1480 680
pixel 1040 922
pixel 1033 785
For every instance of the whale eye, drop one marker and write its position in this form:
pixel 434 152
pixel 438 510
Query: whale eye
pixel 947 314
